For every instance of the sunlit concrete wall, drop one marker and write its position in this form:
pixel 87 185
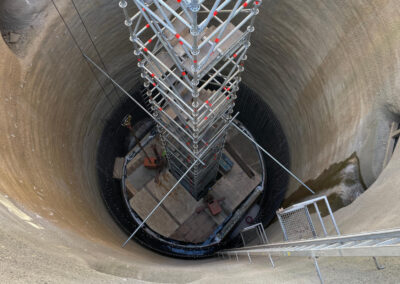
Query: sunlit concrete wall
pixel 328 69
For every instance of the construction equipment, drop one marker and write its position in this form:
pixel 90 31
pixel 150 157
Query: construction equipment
pixel 225 164
pixel 148 162
pixel 212 204
pixel 160 164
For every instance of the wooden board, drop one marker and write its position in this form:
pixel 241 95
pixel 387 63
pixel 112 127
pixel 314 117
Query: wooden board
pixel 160 222
pixel 234 186
pixel 141 176
pixel 196 229
pixel 132 190
pixel 118 167
pixel 180 203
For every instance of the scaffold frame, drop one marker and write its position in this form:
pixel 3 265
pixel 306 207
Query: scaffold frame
pixel 191 55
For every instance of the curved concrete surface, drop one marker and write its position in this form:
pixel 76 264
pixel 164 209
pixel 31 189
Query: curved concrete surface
pixel 328 69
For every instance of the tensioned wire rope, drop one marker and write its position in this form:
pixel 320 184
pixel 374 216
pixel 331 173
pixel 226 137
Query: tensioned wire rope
pixel 94 45
pixel 81 51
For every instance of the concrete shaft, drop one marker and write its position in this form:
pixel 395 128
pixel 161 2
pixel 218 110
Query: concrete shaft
pixel 328 69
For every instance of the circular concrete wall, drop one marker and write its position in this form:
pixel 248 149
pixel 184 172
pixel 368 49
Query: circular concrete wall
pixel 329 70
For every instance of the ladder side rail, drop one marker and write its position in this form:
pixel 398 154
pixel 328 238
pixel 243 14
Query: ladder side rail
pixel 386 234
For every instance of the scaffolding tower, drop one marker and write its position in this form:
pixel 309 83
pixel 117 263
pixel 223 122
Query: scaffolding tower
pixel 191 54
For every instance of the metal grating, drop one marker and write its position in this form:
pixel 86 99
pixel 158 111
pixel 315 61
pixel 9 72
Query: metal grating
pixel 297 224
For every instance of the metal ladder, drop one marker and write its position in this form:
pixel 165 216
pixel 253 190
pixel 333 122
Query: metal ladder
pixel 370 244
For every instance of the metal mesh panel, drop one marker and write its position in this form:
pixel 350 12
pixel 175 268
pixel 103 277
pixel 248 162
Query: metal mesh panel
pixel 251 237
pixel 297 224
pixel 254 235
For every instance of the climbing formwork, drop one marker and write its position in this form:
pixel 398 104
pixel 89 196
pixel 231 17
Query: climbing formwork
pixel 191 54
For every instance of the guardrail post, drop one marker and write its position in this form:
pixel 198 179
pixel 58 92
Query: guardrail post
pixel 270 259
pixel 317 268
pixel 248 254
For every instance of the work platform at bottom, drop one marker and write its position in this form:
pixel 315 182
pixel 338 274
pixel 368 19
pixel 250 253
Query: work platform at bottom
pixel 181 217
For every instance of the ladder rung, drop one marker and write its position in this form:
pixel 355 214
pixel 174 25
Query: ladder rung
pixel 337 245
pixel 345 245
pixel 334 245
pixel 364 243
pixel 308 247
pixel 387 242
pixel 297 247
pixel 321 247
